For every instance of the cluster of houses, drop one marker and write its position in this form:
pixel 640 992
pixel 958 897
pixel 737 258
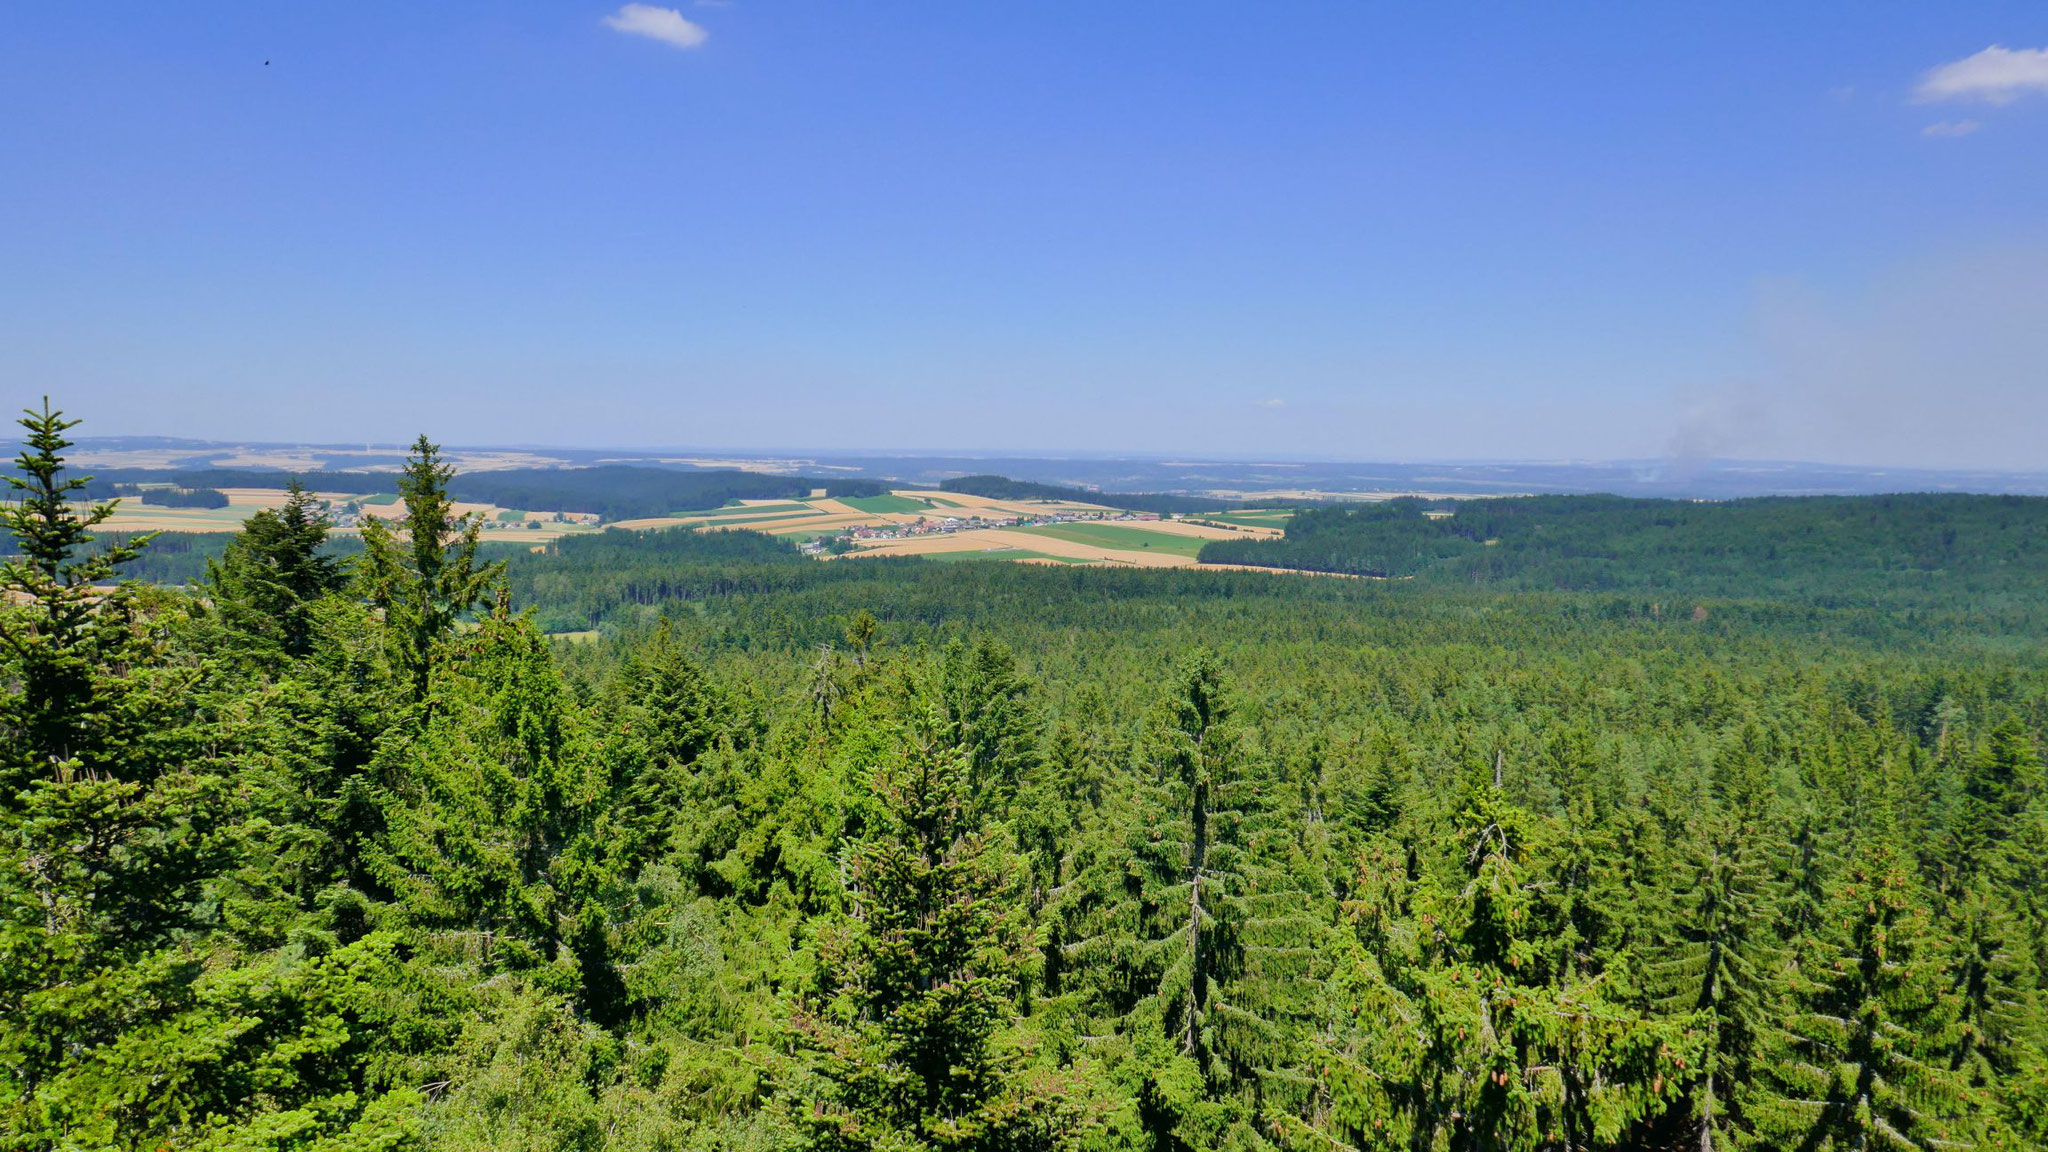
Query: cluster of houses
pixel 352 513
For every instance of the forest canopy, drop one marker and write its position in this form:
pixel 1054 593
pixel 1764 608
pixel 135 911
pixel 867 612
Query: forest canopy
pixel 1761 546
pixel 336 848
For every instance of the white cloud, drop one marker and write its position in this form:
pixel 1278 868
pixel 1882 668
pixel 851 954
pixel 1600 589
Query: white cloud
pixel 1275 402
pixel 1952 128
pixel 664 24
pixel 1996 75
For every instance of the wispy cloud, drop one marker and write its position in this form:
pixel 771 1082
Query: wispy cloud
pixel 664 24
pixel 1275 402
pixel 1952 128
pixel 1997 75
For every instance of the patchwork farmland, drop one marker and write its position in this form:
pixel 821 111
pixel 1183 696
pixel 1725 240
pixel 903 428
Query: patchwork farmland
pixel 951 526
pixel 956 526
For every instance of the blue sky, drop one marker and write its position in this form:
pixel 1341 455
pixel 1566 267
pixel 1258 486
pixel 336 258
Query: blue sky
pixel 1323 230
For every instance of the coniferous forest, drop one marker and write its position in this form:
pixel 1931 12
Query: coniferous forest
pixel 1664 839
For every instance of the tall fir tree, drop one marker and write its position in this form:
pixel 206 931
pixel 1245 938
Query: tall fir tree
pixel 430 578
pixel 917 988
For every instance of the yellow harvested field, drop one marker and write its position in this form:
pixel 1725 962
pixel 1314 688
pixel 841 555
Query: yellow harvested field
pixel 254 497
pixel 130 516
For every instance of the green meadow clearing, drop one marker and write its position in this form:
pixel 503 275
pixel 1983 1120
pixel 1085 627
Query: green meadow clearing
pixel 1254 518
pixel 887 504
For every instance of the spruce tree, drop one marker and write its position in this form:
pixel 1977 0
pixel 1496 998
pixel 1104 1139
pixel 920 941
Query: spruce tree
pixel 69 626
pixel 425 582
pixel 1865 1066
pixel 917 990
pixel 1186 933
pixel 1723 968
pixel 273 572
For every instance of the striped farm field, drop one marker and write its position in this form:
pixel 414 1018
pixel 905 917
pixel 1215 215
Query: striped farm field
pixel 1121 537
pixel 735 521
pixel 744 509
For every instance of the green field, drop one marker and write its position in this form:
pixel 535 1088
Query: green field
pixel 887 503
pixel 1256 518
pixel 1120 536
pixel 380 498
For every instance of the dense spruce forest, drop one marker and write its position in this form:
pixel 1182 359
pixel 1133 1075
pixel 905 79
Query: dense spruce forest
pixel 1765 545
pixel 1667 835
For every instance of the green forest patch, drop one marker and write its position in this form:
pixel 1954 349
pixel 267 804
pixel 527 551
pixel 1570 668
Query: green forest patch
pixel 887 504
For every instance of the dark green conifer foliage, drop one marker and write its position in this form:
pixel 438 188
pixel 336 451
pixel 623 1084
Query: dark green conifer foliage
pixel 1866 1067
pixel 669 718
pixel 1997 1036
pixel 982 699
pixel 73 627
pixel 427 581
pixel 1187 936
pixel 135 1010
pixel 274 572
pixel 1998 782
pixel 918 988
pixel 1724 967
pixel 483 801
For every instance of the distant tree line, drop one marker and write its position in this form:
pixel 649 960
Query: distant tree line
pixel 177 497
pixel 1004 488
pixel 614 492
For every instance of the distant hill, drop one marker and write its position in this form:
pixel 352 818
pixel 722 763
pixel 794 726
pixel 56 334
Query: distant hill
pixel 614 492
pixel 1182 475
